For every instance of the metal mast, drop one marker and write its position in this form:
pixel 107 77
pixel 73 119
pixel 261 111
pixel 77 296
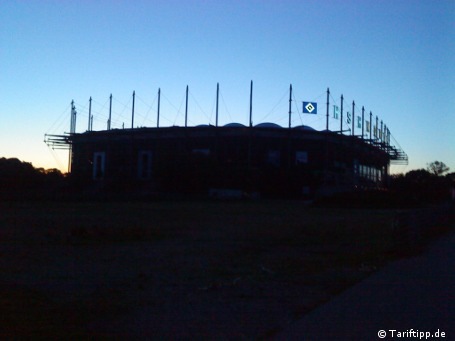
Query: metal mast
pixel 341 128
pixel 132 111
pixel 251 104
pixel 158 110
pixel 327 114
pixel 186 108
pixel 290 104
pixel 217 96
pixel 110 113
pixel 353 117
pixel 89 113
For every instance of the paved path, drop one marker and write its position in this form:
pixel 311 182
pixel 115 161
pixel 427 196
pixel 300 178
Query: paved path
pixel 416 293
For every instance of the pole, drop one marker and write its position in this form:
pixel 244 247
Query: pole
pixel 186 108
pixel 376 131
pixel 217 97
pixel 110 113
pixel 382 132
pixel 89 112
pixel 341 128
pixel 158 109
pixel 353 117
pixel 327 114
pixel 371 124
pixel 290 104
pixel 363 121
pixel 72 117
pixel 132 111
pixel 251 104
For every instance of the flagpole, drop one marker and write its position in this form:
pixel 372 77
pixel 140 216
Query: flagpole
pixel 363 121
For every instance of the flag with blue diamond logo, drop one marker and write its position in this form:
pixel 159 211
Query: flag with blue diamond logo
pixel 310 108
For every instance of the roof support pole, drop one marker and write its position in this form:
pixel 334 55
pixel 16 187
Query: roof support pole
pixel 186 108
pixel 251 104
pixel 371 124
pixel 89 113
pixel 217 97
pixel 110 113
pixel 158 109
pixel 353 117
pixel 376 129
pixel 341 127
pixel 132 111
pixel 290 104
pixel 327 111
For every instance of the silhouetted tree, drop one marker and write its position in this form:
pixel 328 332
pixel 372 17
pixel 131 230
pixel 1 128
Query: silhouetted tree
pixel 422 186
pixel 437 167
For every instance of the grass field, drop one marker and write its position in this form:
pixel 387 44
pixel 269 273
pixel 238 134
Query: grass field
pixel 232 269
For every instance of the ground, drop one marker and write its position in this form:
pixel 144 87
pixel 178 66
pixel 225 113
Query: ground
pixel 207 269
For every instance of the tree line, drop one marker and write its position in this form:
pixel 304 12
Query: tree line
pixel 20 180
pixel 430 185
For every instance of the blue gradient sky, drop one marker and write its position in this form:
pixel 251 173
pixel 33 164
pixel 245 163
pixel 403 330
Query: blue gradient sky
pixel 395 58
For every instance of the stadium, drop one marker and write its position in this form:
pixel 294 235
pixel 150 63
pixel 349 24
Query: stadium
pixel 233 160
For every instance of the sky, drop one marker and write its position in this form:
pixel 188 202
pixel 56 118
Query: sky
pixel 395 58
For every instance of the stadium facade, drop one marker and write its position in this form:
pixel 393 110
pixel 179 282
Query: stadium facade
pixel 233 159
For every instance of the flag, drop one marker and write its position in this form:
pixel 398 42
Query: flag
pixel 336 112
pixel 359 122
pixel 368 126
pixel 348 117
pixel 310 108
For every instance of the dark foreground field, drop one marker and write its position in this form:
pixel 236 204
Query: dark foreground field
pixel 178 269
